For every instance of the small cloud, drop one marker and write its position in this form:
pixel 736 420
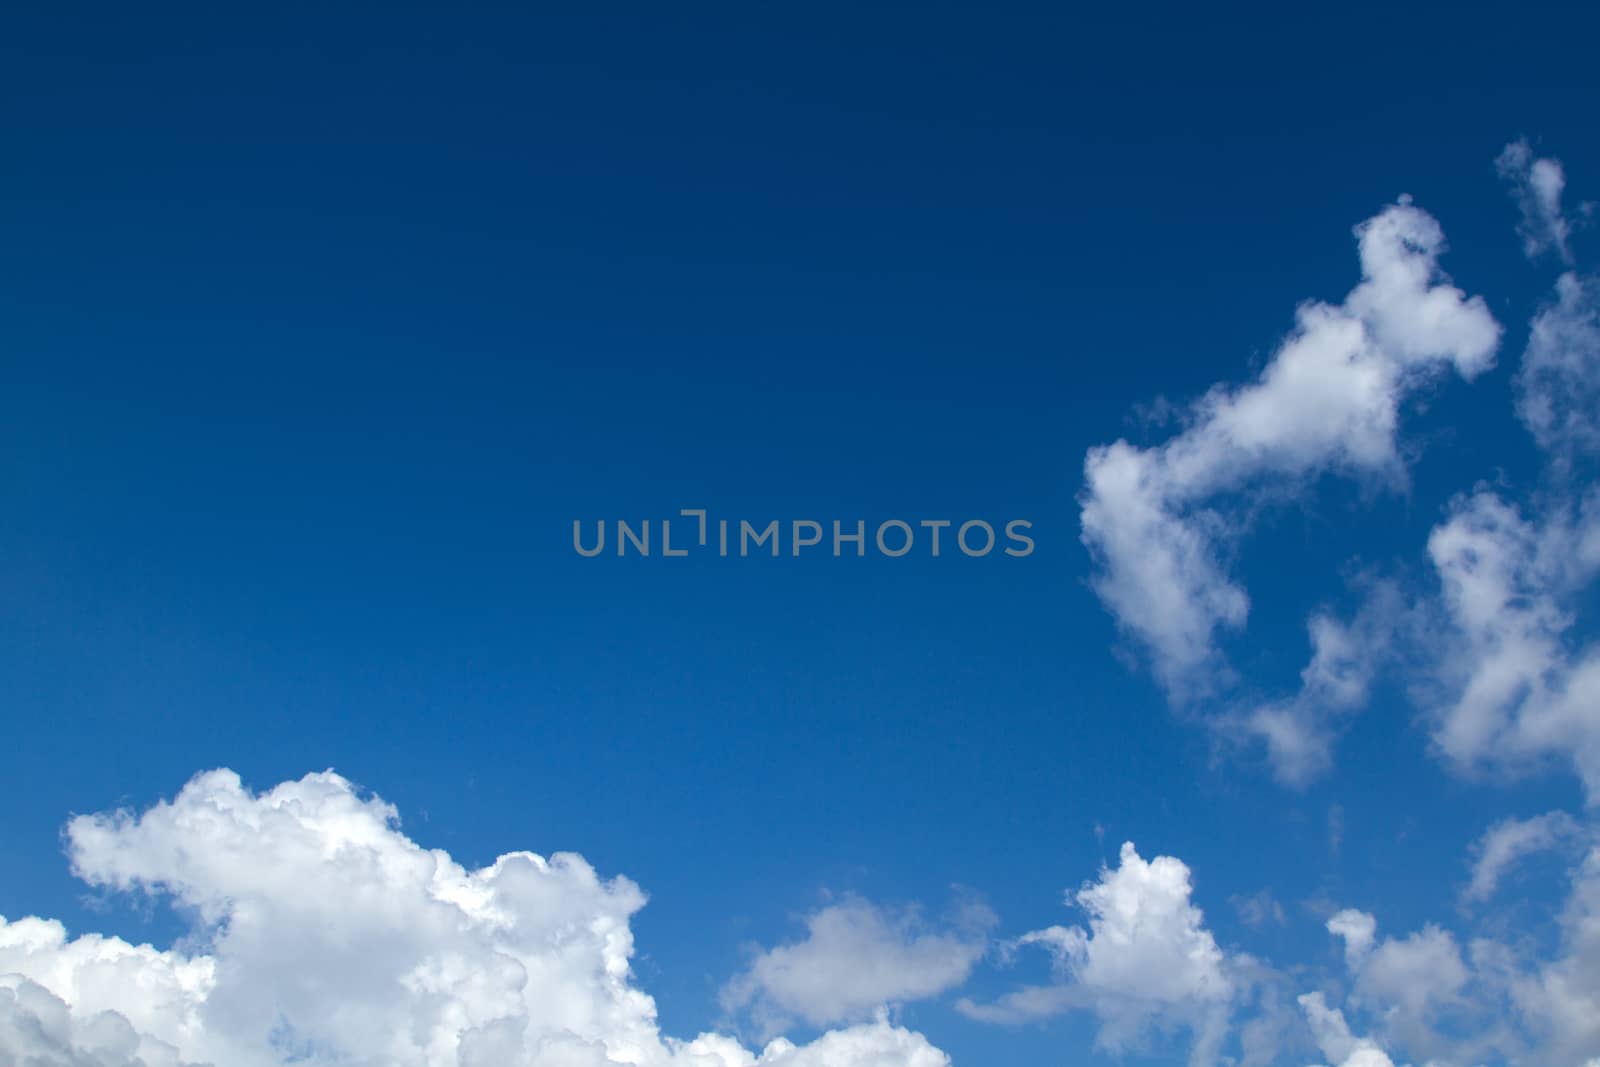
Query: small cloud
pixel 855 958
pixel 1145 962
pixel 1537 184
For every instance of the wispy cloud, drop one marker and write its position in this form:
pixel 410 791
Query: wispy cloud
pixel 1537 185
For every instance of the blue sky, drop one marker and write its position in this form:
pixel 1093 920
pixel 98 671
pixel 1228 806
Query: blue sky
pixel 320 329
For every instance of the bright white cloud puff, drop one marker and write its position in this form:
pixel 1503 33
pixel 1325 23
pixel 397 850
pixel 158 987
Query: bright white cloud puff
pixel 1146 960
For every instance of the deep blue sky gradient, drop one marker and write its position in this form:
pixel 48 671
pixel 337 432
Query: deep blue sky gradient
pixel 320 325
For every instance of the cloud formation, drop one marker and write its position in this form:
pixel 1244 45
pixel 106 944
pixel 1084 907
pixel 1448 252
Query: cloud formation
pixel 1537 184
pixel 326 936
pixel 1560 1000
pixel 857 957
pixel 1515 692
pixel 39 1029
pixel 1155 519
pixel 1511 686
pixel 1482 999
pixel 1507 842
pixel 1408 985
pixel 1333 1036
pixel 1518 690
pixel 1558 386
pixel 333 938
pixel 1145 961
pixel 1299 732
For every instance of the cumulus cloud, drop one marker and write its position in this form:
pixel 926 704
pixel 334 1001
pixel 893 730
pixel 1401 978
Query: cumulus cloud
pixel 1480 1001
pixel 39 1029
pixel 1415 974
pixel 1537 185
pixel 1407 982
pixel 1507 842
pixel 330 937
pixel 855 958
pixel 1154 519
pixel 877 1045
pixel 1515 692
pixel 1146 960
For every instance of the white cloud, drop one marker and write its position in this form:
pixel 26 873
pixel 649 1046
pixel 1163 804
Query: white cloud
pixel 38 1029
pixel 1508 841
pixel 1560 1000
pixel 1558 387
pixel 1497 1003
pixel 875 1045
pixel 1146 960
pixel 1511 689
pixel 1299 732
pixel 1407 982
pixel 330 937
pixel 1333 1036
pixel 1537 185
pixel 1358 930
pixel 857 957
pixel 1414 974
pixel 1328 400
pixel 1514 693
pixel 1517 690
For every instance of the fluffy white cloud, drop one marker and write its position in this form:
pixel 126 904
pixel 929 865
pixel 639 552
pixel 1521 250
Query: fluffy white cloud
pixel 1508 841
pixel 1517 689
pixel 1514 692
pixel 1359 932
pixel 875 1045
pixel 1145 960
pixel 39 1029
pixel 1498 1002
pixel 1537 185
pixel 1328 400
pixel 1511 690
pixel 333 938
pixel 855 958
pixel 1413 975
